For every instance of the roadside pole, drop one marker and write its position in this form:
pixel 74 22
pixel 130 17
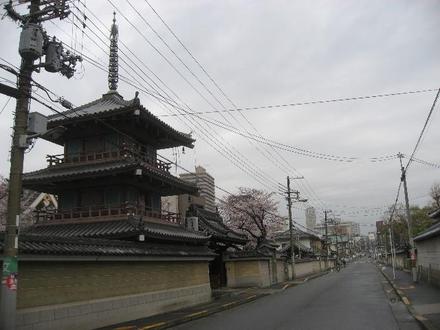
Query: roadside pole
pixel 326 238
pixel 289 209
pixel 409 220
pixel 392 255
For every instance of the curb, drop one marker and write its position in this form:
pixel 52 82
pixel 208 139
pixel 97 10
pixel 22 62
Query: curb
pixel 203 313
pixel 197 315
pixel 423 321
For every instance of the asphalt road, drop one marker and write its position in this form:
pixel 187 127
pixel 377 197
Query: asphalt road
pixel 355 298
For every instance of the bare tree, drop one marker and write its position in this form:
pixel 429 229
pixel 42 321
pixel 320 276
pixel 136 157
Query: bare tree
pixel 252 212
pixel 435 194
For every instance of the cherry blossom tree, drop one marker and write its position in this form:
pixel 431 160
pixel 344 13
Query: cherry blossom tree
pixel 252 212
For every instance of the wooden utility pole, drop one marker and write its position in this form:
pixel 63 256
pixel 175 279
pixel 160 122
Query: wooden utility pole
pixel 289 209
pixel 326 237
pixel 409 220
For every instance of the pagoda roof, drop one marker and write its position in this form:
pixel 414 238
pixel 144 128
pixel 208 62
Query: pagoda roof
pixel 111 104
pixel 67 172
pixel 125 228
pixel 29 244
pixel 213 224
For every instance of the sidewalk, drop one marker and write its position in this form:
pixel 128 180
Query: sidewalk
pixel 223 299
pixel 422 300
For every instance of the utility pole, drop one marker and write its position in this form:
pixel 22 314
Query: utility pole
pixel 409 221
pixel 289 209
pixel 392 254
pixel 326 237
pixel 34 43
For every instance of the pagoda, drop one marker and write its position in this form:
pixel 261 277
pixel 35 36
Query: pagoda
pixel 109 180
pixel 108 253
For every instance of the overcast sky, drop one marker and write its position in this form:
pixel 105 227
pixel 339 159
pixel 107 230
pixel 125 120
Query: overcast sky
pixel 267 53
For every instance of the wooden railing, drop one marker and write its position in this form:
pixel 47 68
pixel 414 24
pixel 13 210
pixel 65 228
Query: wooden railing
pixel 91 157
pixel 97 213
pixel 94 157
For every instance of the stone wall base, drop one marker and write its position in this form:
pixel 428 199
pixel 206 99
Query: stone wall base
pixel 103 312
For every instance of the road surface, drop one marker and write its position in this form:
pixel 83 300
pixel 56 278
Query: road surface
pixel 357 297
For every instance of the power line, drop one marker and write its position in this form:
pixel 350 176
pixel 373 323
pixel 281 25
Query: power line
pixel 296 104
pixel 171 64
pixel 423 130
pixel 174 106
pixel 424 162
pixel 285 147
pixel 205 71
pixel 6 104
pixel 186 170
pixel 262 177
pixel 378 159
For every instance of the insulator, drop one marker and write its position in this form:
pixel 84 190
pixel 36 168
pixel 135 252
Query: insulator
pixel 66 103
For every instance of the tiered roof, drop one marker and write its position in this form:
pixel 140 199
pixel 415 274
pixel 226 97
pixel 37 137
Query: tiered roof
pixel 113 104
pixel 61 173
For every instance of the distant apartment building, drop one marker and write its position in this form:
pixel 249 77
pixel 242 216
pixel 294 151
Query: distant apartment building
pixel 310 218
pixel 345 228
pixel 205 184
pixel 356 229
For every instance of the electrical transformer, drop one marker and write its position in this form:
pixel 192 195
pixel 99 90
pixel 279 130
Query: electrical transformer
pixel 53 56
pixel 31 42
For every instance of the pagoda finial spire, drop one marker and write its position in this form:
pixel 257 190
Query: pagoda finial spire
pixel 113 58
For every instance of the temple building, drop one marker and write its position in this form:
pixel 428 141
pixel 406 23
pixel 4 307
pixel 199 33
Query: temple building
pixel 109 253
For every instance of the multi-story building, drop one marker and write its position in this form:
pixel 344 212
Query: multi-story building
pixel 356 229
pixel 346 228
pixel 205 184
pixel 310 218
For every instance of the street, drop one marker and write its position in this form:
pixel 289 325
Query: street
pixel 355 298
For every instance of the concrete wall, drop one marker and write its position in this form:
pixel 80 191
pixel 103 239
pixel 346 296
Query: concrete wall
pixel 303 269
pixel 86 295
pixel 245 273
pixel 282 271
pixel 428 260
